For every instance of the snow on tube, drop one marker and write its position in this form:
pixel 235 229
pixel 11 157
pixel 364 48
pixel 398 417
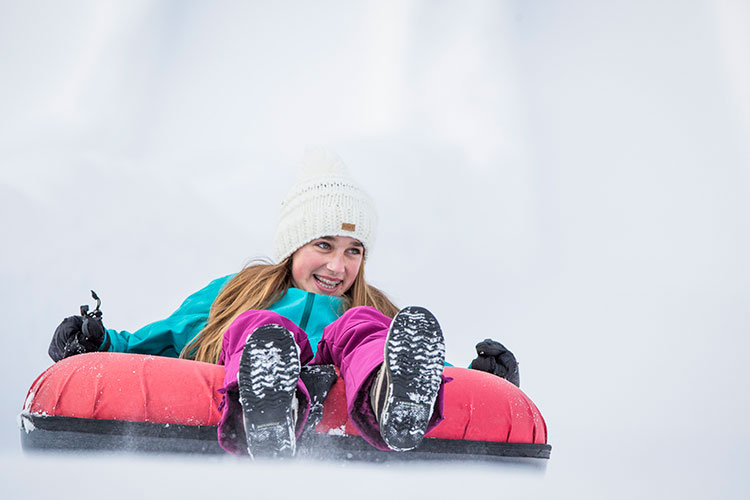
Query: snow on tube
pixel 134 402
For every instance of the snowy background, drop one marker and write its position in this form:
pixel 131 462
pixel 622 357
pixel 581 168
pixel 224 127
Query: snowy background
pixel 570 178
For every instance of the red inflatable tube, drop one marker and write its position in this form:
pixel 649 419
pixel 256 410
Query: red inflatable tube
pixel 161 390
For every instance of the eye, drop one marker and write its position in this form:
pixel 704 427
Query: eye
pixel 323 245
pixel 355 251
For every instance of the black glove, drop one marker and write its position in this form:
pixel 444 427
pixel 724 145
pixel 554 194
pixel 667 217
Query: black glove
pixel 78 334
pixel 494 358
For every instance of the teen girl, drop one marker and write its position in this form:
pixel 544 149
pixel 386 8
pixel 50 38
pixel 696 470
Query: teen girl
pixel 313 307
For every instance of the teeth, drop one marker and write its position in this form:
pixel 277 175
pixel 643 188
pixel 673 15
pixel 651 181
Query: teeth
pixel 327 283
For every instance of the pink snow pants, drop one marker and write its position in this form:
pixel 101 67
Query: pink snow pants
pixel 355 343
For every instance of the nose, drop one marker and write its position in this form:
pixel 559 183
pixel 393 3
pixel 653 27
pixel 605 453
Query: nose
pixel 336 263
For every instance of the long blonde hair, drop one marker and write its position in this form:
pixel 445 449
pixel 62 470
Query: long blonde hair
pixel 258 286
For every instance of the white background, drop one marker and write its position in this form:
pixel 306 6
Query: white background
pixel 570 178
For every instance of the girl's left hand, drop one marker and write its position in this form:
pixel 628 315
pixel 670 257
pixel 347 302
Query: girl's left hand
pixel 493 357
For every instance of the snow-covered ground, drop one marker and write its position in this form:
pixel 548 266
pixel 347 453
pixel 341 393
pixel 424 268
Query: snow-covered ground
pixel 570 178
pixel 588 469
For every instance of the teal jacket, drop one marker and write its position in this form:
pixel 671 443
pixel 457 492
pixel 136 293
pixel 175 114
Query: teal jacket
pixel 311 312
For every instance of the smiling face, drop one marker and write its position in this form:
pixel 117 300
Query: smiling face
pixel 327 265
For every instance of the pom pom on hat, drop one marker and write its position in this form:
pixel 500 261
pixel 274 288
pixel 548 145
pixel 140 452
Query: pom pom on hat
pixel 324 201
pixel 321 163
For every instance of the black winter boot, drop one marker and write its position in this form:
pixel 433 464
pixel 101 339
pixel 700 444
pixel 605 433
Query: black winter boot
pixel 405 389
pixel 269 369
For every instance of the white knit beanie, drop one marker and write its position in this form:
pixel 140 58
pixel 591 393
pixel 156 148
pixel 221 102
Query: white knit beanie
pixel 325 201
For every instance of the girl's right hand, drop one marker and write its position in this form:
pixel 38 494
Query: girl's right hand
pixel 76 335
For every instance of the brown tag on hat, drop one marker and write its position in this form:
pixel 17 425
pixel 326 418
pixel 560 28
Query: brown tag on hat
pixel 347 227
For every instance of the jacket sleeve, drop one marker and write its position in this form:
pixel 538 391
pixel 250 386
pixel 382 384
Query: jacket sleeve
pixel 169 336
